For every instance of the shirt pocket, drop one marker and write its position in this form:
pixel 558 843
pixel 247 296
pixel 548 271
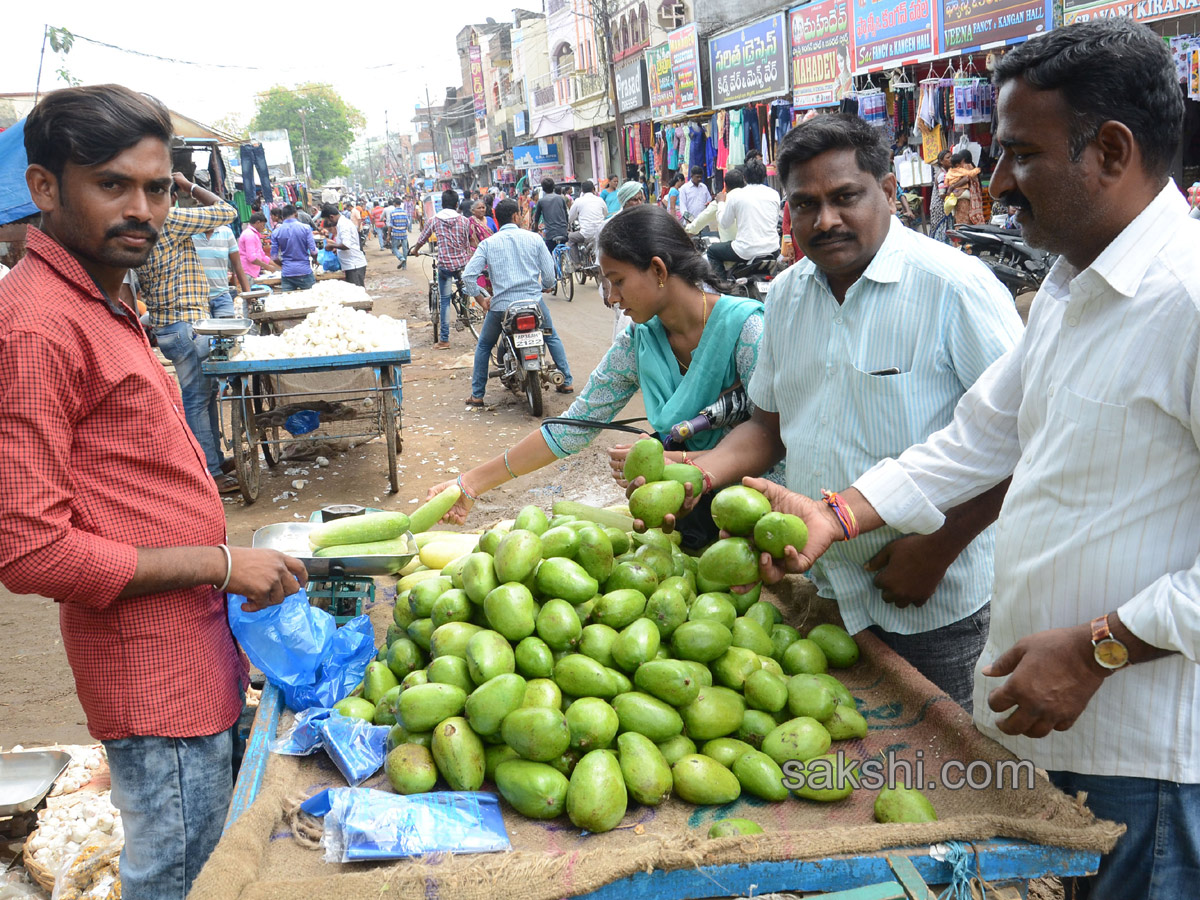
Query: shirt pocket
pixel 1086 440
pixel 882 407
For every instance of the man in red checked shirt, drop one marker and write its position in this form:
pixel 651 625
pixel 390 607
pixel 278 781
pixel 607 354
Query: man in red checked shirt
pixel 106 505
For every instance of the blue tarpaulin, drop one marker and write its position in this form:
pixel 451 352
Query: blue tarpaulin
pixel 14 195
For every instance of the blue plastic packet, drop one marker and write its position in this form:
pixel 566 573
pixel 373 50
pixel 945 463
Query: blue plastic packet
pixel 364 824
pixel 288 641
pixel 319 803
pixel 302 422
pixel 357 748
pixel 304 737
pixel 343 667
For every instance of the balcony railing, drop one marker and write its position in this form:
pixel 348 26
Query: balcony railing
pixel 544 96
pixel 586 85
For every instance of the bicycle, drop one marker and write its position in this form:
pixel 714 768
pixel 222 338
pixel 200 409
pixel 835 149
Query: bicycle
pixel 470 314
pixel 562 270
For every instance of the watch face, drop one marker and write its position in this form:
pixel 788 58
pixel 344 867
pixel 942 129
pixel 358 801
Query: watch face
pixel 1111 654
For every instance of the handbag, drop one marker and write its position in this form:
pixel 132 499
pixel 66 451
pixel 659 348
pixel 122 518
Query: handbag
pixel 950 203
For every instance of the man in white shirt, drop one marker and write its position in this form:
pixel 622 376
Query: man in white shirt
pixel 1091 668
pixel 711 213
pixel 585 219
pixel 347 243
pixel 694 195
pixel 868 344
pixel 754 209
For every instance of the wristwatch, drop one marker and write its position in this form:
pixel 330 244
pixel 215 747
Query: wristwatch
pixel 1107 650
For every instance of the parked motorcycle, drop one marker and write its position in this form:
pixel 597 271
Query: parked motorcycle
pixel 521 354
pixel 749 279
pixel 1019 266
pixel 586 264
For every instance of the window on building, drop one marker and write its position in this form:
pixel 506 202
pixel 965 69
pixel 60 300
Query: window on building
pixel 627 39
pixel 644 22
pixel 564 60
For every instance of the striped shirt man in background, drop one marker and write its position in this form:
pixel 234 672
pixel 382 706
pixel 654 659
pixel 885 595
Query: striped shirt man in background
pixel 219 255
pixel 869 343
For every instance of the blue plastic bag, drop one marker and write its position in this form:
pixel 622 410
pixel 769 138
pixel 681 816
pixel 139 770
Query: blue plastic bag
pixel 356 747
pixel 328 260
pixel 345 664
pixel 304 737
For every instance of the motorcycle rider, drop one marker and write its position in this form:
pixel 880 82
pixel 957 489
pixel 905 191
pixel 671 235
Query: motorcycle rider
pixel 754 209
pixel 585 220
pixel 514 259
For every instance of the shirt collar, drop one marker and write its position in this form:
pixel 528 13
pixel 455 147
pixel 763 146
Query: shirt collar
pixel 57 257
pixel 513 226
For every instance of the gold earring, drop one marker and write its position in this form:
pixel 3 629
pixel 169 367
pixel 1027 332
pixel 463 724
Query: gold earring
pixel 660 285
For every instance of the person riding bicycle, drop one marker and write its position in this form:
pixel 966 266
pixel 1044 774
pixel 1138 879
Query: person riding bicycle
pixel 551 213
pixel 514 259
pixel 453 233
pixel 586 218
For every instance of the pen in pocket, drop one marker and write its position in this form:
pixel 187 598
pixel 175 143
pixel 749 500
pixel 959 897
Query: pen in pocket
pixel 891 371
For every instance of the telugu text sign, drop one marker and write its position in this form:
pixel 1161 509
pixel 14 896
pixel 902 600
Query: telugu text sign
pixel 685 66
pixel 967 24
pixel 821 70
pixel 477 87
pixel 750 63
pixel 1143 11
pixel 887 32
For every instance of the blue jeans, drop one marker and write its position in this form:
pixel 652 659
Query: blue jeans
pixel 297 282
pixel 173 794
pixel 400 241
pixel 446 288
pixel 187 350
pixel 254 156
pixel 379 230
pixel 946 655
pixel 489 333
pixel 221 307
pixel 1158 858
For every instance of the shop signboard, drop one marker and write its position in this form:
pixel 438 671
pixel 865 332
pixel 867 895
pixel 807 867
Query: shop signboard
pixel 477 86
pixel 673 73
pixel 968 25
pixel 821 70
pixel 660 80
pixel 749 63
pixel 1141 10
pixel 520 123
pixel 459 153
pixel 891 32
pixel 632 90
pixel 535 156
pixel 427 161
pixel 474 157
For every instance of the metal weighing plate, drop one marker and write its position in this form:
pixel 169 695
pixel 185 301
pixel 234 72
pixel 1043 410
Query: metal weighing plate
pixel 256 293
pixel 223 327
pixel 292 538
pixel 25 778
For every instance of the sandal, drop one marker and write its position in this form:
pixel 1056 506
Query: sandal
pixel 476 402
pixel 227 484
pixel 565 389
pixel 442 345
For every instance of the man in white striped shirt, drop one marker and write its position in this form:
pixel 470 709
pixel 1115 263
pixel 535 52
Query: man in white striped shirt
pixel 1091 669
pixel 869 343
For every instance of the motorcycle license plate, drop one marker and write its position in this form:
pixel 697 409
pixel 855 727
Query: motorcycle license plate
pixel 532 339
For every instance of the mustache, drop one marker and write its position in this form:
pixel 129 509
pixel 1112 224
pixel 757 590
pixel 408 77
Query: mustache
pixel 1015 200
pixel 133 229
pixel 831 236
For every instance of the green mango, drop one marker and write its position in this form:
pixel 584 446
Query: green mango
pixel 420 632
pixel 824 780
pixel 632 575
pixel 618 539
pixel 410 769
pixel 478 576
pixel 596 641
pixel 840 691
pixel 645 460
pixel 715 606
pixel 658 559
pixel 583 611
pixel 558 624
pixel 654 501
pixel 560 542
pixel 809 696
pixel 637 643
pixel 756 725
pixel 596 794
pixel 804 657
pixel 422 596
pixel 381 654
pixel 702 640
pixel 737 509
pixel 452 606
pixel 760 775
pixel 458 753
pixel 489 703
pixel 725 750
pixel 533 789
pixel 731 827
pixel 728 562
pixel 731 668
pixel 560 520
pixel 490 540
pixel 510 609
pixel 845 723
pixel 422 707
pixel 451 670
pixel 542 692
pixel 453 570
pixel 701 673
pixel 620 679
pixel 671 681
pixel 768 664
pixel 647 715
pixel 493 756
pixel 751 635
pixel 356 708
pixel 423 738
pixel 593 724
pixel 566 762
pixel 782 637
pixel 412 679
pixel 685 584
pixel 839 647
pixel 776 531
pixel 901 804
pixel 668 609
pixel 743 602
pixel 647 775
pixel 565 579
pixel 536 732
pixel 378 680
pixel 799 739
pixel 517 555
pixel 595 553
pixel 402 614
pixel 685 474
pixel 765 690
pixel 385 707
pixel 451 639
pixel 531 518
pixel 716 712
pixel 655 537
pixel 619 608
pixel 704 781
pixel 533 658
pixel 397 735
pixel 675 748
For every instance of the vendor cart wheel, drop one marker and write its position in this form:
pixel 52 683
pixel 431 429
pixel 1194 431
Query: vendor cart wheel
pixel 263 390
pixel 245 447
pixel 390 415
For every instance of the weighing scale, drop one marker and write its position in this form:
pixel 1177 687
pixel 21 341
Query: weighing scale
pixel 224 336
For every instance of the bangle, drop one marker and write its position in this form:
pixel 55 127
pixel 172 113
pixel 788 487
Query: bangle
pixel 845 515
pixel 462 487
pixel 507 466
pixel 228 569
pixel 708 481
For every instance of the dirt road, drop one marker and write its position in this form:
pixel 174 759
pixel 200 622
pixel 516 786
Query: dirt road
pixel 441 438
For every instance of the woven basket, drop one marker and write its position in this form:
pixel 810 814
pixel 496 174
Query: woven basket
pixel 39 873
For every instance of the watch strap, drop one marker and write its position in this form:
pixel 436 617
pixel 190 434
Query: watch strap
pixel 1100 629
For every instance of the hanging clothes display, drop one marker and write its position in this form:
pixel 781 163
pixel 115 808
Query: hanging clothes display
pixel 721 131
pixel 737 139
pixel 698 147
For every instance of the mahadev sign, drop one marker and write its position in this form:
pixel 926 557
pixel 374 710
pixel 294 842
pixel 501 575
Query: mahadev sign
pixel 821 68
pixel 749 64
pixel 970 24
pixel 890 32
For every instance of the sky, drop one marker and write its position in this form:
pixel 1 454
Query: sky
pixel 325 45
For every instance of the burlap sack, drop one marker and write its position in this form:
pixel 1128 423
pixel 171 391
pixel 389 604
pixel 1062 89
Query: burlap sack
pixel 268 854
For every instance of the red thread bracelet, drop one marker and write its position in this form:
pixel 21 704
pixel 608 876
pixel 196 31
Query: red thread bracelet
pixel 845 515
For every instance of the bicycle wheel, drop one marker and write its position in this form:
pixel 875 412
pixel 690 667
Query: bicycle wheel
pixel 557 257
pixel 245 447
pixel 568 284
pixel 533 392
pixel 472 315
pixel 263 389
pixel 389 413
pixel 581 276
pixel 435 309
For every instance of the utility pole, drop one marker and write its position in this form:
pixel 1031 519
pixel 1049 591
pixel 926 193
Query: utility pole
pixel 370 164
pixel 433 140
pixel 304 146
pixel 618 116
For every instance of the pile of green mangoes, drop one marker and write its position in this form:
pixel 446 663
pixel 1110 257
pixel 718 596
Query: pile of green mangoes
pixel 578 666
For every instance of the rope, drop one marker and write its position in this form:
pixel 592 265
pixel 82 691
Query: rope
pixel 964 873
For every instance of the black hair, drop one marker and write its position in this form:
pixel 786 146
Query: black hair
pixel 834 131
pixel 506 211
pixel 548 185
pixel 257 217
pixel 640 233
pixel 1107 70
pixel 287 210
pixel 330 211
pixel 696 170
pixel 467 204
pixel 734 179
pixel 754 171
pixel 449 199
pixel 678 179
pixel 588 187
pixel 962 156
pixel 87 126
pixel 277 214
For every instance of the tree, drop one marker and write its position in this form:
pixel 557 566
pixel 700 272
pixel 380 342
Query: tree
pixel 232 124
pixel 315 110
